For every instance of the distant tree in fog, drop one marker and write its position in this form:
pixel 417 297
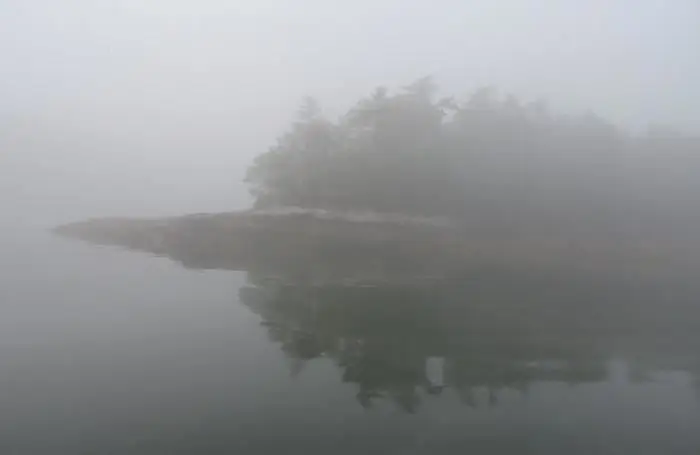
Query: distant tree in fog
pixel 413 152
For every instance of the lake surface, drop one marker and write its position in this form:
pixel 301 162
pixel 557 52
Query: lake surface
pixel 105 351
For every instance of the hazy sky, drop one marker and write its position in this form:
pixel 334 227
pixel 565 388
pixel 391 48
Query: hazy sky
pixel 156 106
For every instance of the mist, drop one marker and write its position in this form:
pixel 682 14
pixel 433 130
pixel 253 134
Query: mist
pixel 154 108
pixel 520 269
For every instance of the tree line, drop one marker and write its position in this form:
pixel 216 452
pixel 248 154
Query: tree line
pixel 410 151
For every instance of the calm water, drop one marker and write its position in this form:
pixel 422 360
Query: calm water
pixel 104 351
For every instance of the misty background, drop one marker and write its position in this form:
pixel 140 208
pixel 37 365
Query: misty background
pixel 158 107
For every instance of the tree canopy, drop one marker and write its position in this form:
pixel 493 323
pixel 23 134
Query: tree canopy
pixel 411 151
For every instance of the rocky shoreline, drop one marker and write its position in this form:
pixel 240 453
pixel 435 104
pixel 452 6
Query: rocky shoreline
pixel 370 247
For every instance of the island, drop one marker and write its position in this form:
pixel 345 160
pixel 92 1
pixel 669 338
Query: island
pixel 408 187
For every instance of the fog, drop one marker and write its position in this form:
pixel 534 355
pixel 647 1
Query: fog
pixel 150 108
pixel 554 310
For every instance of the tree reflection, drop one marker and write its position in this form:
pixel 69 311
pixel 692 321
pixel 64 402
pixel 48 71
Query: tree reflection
pixel 489 333
pixel 421 328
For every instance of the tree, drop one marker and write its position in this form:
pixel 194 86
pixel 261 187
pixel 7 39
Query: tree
pixel 492 159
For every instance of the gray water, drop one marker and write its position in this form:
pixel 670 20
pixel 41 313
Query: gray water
pixel 105 351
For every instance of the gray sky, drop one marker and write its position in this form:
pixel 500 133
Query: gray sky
pixel 157 106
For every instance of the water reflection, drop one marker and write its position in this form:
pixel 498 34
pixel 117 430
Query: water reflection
pixel 399 334
pixel 480 336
